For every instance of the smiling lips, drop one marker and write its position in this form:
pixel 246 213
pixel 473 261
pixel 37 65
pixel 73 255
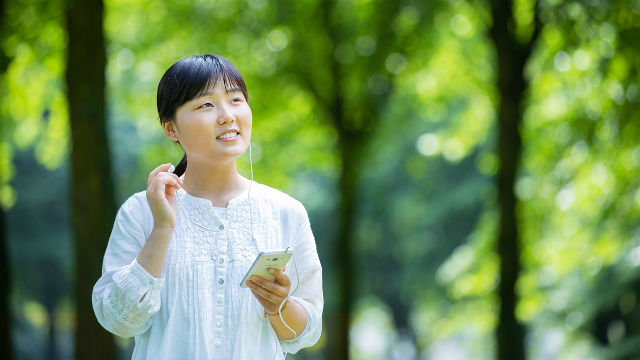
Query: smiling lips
pixel 228 135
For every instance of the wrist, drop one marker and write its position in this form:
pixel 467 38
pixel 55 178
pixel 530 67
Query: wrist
pixel 278 311
pixel 164 227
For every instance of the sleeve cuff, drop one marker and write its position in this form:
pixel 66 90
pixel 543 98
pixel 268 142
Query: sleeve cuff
pixel 135 281
pixel 132 299
pixel 143 276
pixel 293 345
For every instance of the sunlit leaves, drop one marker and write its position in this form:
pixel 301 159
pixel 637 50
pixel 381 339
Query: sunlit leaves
pixel 33 106
pixel 285 119
pixel 578 186
pixel 8 195
pixel 577 182
pixel 523 16
pixel 455 84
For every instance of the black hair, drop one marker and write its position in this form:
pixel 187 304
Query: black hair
pixel 189 78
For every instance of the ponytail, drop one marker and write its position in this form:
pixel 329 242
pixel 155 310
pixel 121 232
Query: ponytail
pixel 182 166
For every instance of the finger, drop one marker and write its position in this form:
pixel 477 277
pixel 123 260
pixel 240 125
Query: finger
pixel 281 277
pixel 170 189
pixel 265 293
pixel 180 179
pixel 264 302
pixel 154 172
pixel 167 178
pixel 166 183
pixel 173 176
pixel 161 185
pixel 165 175
pixel 258 291
pixel 271 286
pixel 159 168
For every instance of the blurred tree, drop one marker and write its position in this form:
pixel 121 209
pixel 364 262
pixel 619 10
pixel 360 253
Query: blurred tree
pixel 5 286
pixel 93 204
pixel 6 344
pixel 412 209
pixel 579 181
pixel 41 246
pixel 613 317
pixel 33 115
pixel 512 55
pixel 587 212
pixel 348 63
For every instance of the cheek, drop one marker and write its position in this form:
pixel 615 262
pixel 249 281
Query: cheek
pixel 247 120
pixel 247 114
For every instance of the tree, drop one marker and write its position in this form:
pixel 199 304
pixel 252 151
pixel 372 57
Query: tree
pixel 5 309
pixel 511 57
pixel 5 276
pixel 587 64
pixel 353 92
pixel 93 204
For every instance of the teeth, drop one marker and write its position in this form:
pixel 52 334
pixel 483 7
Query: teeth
pixel 228 135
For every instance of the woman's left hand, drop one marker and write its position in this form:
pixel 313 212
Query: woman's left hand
pixel 270 293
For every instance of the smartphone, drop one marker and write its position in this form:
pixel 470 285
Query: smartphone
pixel 267 259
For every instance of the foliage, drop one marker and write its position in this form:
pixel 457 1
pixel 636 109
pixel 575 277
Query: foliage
pixel 32 105
pixel 426 215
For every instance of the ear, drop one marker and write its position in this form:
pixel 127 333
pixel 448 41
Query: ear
pixel 171 130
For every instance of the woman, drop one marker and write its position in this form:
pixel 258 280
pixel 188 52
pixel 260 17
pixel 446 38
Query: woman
pixel 178 252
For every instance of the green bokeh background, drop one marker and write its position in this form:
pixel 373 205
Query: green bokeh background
pixel 426 216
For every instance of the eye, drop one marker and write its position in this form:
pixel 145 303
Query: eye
pixel 238 99
pixel 205 105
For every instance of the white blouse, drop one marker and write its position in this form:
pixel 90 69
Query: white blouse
pixel 198 310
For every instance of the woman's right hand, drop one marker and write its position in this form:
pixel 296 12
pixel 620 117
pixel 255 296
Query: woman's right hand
pixel 161 187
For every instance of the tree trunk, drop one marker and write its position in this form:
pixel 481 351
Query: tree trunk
pixel 355 126
pixel 343 255
pixel 400 313
pixel 6 346
pixel 52 352
pixel 93 204
pixel 511 57
pixel 53 289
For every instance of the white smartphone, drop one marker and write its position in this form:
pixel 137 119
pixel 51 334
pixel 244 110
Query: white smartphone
pixel 267 259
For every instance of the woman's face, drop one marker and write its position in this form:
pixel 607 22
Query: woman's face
pixel 213 128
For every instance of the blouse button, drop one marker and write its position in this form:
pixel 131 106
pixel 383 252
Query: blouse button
pixel 219 323
pixel 221 227
pixel 220 281
pixel 220 302
pixel 221 261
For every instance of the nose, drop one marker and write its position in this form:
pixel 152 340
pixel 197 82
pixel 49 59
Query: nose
pixel 225 114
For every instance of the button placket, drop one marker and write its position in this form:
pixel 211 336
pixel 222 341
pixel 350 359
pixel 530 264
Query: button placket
pixel 221 273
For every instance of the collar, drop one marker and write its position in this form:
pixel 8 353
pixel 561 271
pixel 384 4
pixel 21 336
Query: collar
pixel 202 213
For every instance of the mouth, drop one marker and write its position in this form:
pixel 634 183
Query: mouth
pixel 229 134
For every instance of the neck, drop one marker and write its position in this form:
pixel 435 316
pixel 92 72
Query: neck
pixel 217 183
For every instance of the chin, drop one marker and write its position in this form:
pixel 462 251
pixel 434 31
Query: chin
pixel 231 154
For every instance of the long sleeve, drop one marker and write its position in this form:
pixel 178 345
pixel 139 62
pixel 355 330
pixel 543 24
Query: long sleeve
pixel 116 296
pixel 306 285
